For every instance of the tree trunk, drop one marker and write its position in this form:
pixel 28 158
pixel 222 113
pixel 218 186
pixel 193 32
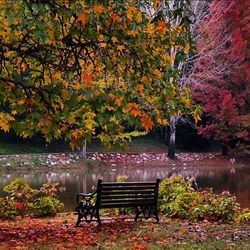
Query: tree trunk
pixel 171 145
pixel 84 150
pixel 166 135
pixel 224 150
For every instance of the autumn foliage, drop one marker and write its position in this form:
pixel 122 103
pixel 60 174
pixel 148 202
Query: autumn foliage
pixel 223 70
pixel 84 69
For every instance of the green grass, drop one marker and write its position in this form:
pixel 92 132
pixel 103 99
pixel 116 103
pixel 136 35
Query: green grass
pixel 148 143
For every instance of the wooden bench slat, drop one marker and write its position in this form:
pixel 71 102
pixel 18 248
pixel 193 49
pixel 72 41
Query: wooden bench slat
pixel 128 184
pixel 125 196
pixel 127 201
pixel 127 192
pixel 125 204
pixel 128 188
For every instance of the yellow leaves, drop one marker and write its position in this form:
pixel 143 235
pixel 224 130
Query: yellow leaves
pixel 150 29
pixel 114 39
pixel 98 9
pixel 57 75
pixel 196 114
pixel 186 48
pixel 162 121
pixel 103 44
pixel 169 58
pixel 21 102
pixel 146 122
pixel 80 98
pixel 4 121
pixel 64 94
pixel 109 108
pixel 129 12
pixel 76 133
pixel 139 17
pixel 118 101
pixel 132 32
pixel 83 18
pixel 157 73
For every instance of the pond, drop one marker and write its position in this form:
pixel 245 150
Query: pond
pixel 234 178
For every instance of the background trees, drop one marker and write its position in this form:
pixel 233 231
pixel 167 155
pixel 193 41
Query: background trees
pixel 222 73
pixel 81 69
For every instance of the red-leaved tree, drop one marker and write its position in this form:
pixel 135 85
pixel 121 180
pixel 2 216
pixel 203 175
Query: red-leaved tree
pixel 222 71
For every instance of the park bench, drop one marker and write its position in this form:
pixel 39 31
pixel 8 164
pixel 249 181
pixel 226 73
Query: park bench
pixel 142 196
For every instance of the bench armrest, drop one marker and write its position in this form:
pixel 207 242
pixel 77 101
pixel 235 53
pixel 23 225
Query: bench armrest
pixel 82 198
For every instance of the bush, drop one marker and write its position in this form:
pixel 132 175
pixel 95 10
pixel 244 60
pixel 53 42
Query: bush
pixel 47 206
pixel 47 203
pixel 21 195
pixel 179 199
pixel 22 199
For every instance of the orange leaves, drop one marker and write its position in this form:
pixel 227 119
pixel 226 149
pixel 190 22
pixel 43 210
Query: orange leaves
pixel 134 109
pixel 98 9
pixel 114 16
pixel 83 18
pixel 183 230
pixel 120 47
pixel 132 32
pixel 130 11
pixel 146 122
pixel 4 121
pixel 4 125
pixel 157 73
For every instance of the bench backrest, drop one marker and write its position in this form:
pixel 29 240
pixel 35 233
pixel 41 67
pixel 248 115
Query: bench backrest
pixel 127 194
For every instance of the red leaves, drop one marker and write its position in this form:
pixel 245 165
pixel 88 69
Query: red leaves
pixel 225 70
pixel 56 231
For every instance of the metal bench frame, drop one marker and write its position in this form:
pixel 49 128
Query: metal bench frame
pixel 142 196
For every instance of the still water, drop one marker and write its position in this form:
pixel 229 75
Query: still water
pixel 236 179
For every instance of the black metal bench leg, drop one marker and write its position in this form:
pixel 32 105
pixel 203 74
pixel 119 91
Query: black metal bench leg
pixel 98 217
pixel 137 214
pixel 78 220
pixel 156 215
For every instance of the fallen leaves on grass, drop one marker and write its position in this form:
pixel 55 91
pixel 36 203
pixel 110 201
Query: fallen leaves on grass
pixel 60 233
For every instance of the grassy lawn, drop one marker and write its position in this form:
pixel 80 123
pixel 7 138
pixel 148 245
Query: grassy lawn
pixel 60 233
pixel 148 143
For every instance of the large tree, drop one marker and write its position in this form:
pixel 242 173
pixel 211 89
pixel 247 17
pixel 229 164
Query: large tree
pixel 222 71
pixel 191 16
pixel 83 69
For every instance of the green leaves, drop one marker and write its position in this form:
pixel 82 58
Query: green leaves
pixel 71 56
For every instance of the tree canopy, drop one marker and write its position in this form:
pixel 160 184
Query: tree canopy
pixel 83 69
pixel 222 66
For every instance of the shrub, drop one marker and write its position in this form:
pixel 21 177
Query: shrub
pixel 21 194
pixel 47 203
pixel 22 199
pixel 179 199
pixel 47 206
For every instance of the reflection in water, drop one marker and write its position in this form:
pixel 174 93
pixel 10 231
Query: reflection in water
pixel 84 180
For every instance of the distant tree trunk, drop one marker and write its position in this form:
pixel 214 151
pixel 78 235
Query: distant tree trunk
pixel 84 150
pixel 166 135
pixel 172 132
pixel 224 150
